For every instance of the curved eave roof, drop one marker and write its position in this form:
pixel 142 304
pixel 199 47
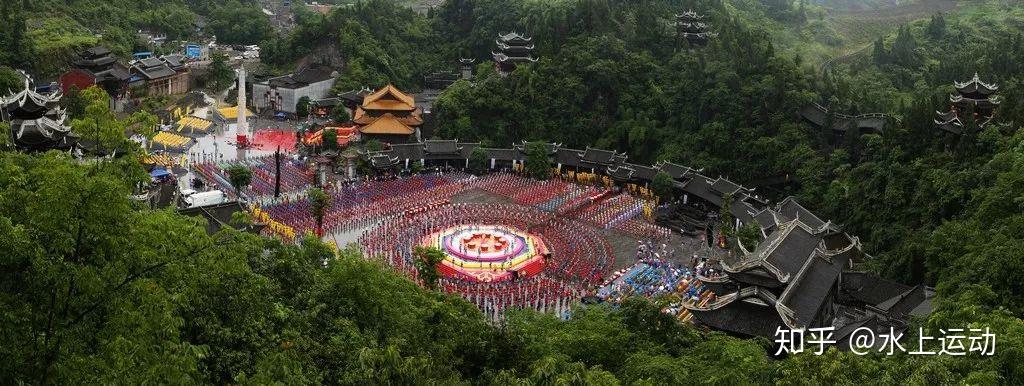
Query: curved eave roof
pixel 387 124
pixel 782 253
pixel 363 118
pixel 513 36
pixel 506 46
pixel 389 98
pixel 502 57
pixel 975 85
pixel 28 99
pixel 690 14
pixel 983 102
pixel 42 133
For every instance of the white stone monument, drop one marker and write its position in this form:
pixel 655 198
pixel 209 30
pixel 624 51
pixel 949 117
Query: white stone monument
pixel 242 127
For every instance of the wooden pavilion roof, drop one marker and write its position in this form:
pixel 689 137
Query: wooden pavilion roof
pixel 389 98
pixel 387 124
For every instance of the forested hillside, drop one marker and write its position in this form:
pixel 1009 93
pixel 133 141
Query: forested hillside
pixel 96 290
pixel 41 36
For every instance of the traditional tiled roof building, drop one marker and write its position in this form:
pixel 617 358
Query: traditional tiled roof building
pixel 97 66
pixel 37 122
pixel 166 75
pixel 512 49
pixel 284 92
pixel 389 115
pixel 692 30
pixel 974 100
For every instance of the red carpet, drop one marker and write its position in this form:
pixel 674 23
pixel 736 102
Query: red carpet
pixel 271 139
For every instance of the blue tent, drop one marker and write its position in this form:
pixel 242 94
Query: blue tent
pixel 159 173
pixel 281 114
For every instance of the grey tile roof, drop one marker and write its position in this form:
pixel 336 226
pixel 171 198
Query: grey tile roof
pixel 504 154
pixel 441 146
pixel 812 286
pixel 749 312
pixel 871 289
pixel 598 156
pixel 790 209
pixel 412 151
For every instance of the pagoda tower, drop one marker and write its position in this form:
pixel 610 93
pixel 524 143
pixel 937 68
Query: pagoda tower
pixel 512 49
pixel 691 28
pixel 466 67
pixel 973 99
pixel 37 121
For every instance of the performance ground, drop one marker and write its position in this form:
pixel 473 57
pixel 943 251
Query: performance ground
pixel 623 245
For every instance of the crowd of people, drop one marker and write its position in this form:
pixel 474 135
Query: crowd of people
pixel 643 229
pixel 653 277
pixel 296 176
pixel 539 293
pixel 580 258
pixel 391 216
pixel 648 278
pixel 612 211
pixel 358 205
pixel 601 207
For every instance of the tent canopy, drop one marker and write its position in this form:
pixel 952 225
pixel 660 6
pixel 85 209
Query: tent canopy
pixel 159 172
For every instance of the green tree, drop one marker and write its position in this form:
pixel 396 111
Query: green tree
pixel 10 80
pixel 879 52
pixel 904 49
pixel 101 130
pixel 319 202
pixel 302 107
pixel 749 234
pixel 340 115
pixel 663 185
pixel 937 26
pixel 330 139
pixel 5 131
pixel 74 102
pixel 73 238
pixel 426 260
pixel 478 161
pixel 373 145
pixel 240 177
pixel 220 75
pixel 238 23
pixel 537 164
pixel 726 221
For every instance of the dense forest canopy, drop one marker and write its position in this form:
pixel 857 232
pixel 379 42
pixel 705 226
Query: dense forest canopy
pixel 42 36
pixel 94 283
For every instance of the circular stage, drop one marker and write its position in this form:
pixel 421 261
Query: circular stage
pixel 490 252
pixel 495 243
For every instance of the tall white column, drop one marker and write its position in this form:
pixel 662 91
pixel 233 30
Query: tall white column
pixel 242 128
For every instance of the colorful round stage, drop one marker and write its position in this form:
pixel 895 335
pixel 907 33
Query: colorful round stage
pixel 507 244
pixel 489 253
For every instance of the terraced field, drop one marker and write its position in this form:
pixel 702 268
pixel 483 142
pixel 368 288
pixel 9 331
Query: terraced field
pixel 860 28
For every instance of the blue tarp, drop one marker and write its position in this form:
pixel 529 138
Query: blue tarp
pixel 159 172
pixel 280 114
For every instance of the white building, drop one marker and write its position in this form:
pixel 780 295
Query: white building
pixel 283 93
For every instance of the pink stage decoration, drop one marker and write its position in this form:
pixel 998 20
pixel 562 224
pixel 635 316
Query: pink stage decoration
pixel 488 253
